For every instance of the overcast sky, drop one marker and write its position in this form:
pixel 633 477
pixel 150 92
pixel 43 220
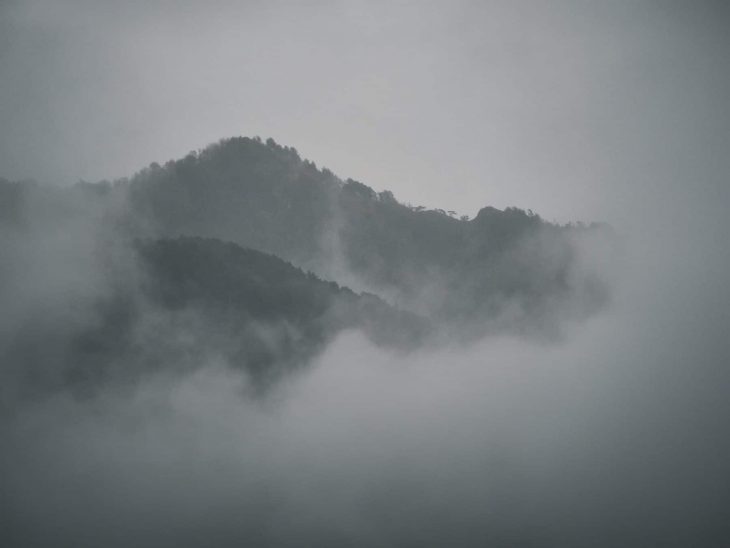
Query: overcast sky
pixel 578 110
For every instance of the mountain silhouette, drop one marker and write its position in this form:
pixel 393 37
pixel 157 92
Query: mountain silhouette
pixel 466 273
pixel 247 256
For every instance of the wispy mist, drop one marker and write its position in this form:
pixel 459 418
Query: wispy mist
pixel 583 421
pixel 615 436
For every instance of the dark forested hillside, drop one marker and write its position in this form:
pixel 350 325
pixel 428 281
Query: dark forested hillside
pixel 503 267
pixel 244 286
pixel 188 263
pixel 200 302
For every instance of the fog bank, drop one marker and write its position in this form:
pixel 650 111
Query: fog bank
pixel 614 436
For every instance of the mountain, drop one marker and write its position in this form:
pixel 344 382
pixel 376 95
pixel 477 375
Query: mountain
pixel 506 269
pixel 277 314
pixel 223 257
pixel 198 302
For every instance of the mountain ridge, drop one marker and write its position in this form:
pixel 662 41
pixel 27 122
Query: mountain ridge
pixel 243 234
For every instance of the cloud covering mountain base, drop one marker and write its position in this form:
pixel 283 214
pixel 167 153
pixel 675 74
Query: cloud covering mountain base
pixel 614 436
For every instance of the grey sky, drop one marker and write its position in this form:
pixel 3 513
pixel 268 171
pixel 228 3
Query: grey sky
pixel 578 110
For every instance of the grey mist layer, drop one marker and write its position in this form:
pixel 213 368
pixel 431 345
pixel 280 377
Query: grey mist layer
pixel 240 347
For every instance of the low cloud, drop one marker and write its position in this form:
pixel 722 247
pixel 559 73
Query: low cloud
pixel 612 436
